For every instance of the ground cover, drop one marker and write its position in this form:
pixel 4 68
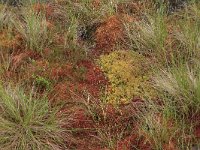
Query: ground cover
pixel 99 75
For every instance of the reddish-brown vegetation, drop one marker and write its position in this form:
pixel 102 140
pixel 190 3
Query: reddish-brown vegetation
pixel 74 78
pixel 108 35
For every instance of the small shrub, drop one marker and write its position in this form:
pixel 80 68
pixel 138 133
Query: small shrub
pixel 28 122
pixel 42 82
pixel 128 75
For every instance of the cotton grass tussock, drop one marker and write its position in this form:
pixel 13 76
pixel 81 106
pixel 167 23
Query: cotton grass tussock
pixel 183 85
pixel 166 82
pixel 34 29
pixel 28 123
pixel 148 34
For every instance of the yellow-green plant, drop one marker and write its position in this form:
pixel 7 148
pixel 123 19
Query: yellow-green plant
pixel 128 76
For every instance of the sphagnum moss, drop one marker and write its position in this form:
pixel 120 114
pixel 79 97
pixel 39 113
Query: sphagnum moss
pixel 128 75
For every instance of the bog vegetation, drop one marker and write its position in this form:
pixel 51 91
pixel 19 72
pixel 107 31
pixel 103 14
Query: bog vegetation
pixel 123 73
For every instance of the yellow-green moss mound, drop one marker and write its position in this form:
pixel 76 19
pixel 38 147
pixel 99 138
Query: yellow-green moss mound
pixel 128 74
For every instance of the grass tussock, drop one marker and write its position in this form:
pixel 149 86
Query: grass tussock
pixel 34 29
pixel 183 85
pixel 28 123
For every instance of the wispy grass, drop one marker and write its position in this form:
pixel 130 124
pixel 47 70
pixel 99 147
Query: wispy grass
pixel 183 84
pixel 28 123
pixel 5 16
pixel 189 31
pixel 148 35
pixel 5 61
pixel 2 17
pixel 157 129
pixel 86 11
pixel 179 88
pixel 162 131
pixel 171 119
pixel 33 27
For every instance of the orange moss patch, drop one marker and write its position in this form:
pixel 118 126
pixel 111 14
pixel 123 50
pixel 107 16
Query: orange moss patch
pixel 39 66
pixel 170 146
pixel 195 120
pixel 10 41
pixel 111 31
pixel 82 120
pixel 18 59
pixel 52 12
pixel 197 132
pixel 60 92
pixel 21 70
pixel 132 142
pixel 108 35
pixel 59 39
pixel 46 8
pixel 67 91
pixel 96 3
pixel 58 72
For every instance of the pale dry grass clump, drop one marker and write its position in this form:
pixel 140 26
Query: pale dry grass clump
pixel 149 34
pixel 183 84
pixel 28 122
pixel 33 27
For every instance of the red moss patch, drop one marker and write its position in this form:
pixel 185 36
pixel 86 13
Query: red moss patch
pixel 58 72
pixel 96 3
pixel 93 75
pixel 74 81
pixel 197 131
pixel 18 59
pixel 52 11
pixel 133 142
pixel 108 35
pixel 170 146
pixel 81 120
pixel 47 9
